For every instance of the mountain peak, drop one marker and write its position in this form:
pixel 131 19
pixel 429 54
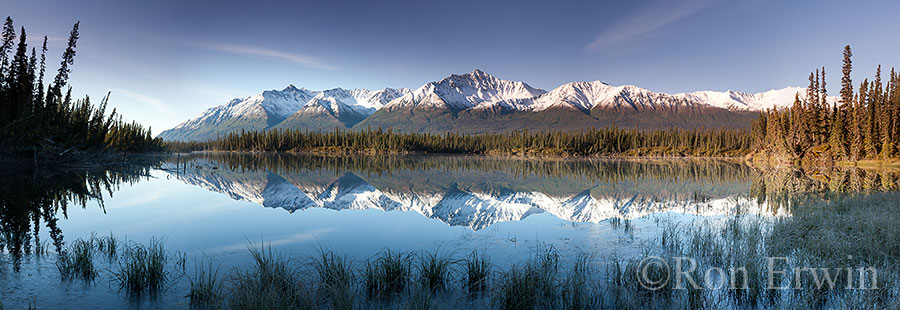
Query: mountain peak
pixel 290 87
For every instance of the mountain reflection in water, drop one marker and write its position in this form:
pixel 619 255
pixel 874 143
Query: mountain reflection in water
pixel 467 191
pixel 477 192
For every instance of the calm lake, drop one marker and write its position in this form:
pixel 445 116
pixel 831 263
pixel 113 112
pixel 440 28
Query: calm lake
pixel 213 206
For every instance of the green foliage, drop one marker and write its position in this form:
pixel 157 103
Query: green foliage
pixel 42 125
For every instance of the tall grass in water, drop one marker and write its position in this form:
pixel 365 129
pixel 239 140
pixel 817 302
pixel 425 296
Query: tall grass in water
pixel 206 287
pixel 530 285
pixel 271 283
pixel 142 269
pixel 434 270
pixel 477 271
pixel 335 279
pixel 77 261
pixel 108 245
pixel 576 292
pixel 388 275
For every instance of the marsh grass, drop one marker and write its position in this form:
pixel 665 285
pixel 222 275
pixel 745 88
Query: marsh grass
pixel 335 279
pixel 142 269
pixel 419 299
pixel 108 245
pixel 77 261
pixel 388 275
pixel 206 287
pixel 270 283
pixel 529 285
pixel 477 270
pixel 435 270
pixel 576 292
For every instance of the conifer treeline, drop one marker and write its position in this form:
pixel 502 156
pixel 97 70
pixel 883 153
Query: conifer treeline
pixel 44 120
pixel 862 125
pixel 606 141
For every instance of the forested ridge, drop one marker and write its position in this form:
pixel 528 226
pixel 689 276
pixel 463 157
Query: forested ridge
pixel 45 123
pixel 604 141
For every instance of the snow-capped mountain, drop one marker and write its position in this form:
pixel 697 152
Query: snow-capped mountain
pixel 586 96
pixel 287 108
pixel 478 102
pixel 257 112
pixel 459 92
pixel 340 108
pixel 738 101
pixel 362 101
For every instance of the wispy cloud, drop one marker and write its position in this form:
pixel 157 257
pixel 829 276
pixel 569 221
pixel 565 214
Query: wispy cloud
pixel 36 41
pixel 306 236
pixel 306 60
pixel 143 99
pixel 652 16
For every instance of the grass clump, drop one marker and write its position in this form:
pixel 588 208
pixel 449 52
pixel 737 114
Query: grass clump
pixel 388 275
pixel 142 270
pixel 434 270
pixel 77 261
pixel 530 285
pixel 477 271
pixel 576 292
pixel 206 287
pixel 335 279
pixel 107 245
pixel 270 283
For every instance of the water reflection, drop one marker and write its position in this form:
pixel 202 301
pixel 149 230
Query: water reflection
pixel 34 199
pixel 467 191
pixel 477 192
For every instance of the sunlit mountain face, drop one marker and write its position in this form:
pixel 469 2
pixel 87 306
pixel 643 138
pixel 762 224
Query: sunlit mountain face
pixel 479 192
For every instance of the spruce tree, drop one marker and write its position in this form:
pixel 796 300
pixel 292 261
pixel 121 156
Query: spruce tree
pixel 62 75
pixel 39 97
pixel 811 115
pixel 855 141
pixel 836 136
pixel 824 117
pixel 846 85
pixel 9 38
pixel 865 95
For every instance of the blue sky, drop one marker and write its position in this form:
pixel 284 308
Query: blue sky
pixel 167 61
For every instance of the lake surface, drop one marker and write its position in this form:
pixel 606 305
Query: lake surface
pixel 212 206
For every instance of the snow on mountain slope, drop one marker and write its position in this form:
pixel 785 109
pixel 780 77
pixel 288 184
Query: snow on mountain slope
pixel 588 95
pixel 465 91
pixel 345 108
pixel 734 100
pixel 252 113
pixel 362 101
pixel 277 105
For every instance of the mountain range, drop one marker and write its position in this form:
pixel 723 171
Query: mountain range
pixel 477 102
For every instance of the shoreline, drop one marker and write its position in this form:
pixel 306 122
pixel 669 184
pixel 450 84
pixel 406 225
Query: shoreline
pixel 484 155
